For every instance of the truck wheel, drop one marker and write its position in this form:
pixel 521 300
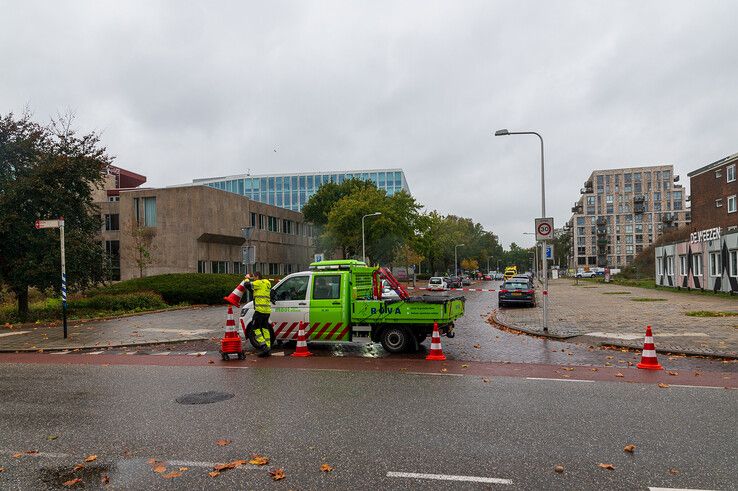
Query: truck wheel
pixel 395 339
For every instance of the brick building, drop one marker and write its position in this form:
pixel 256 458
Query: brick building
pixel 622 211
pixel 196 228
pixel 714 195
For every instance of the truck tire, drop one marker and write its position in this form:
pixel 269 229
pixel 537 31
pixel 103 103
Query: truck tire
pixel 395 339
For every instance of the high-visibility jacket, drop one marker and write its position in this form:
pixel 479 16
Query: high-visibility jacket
pixel 262 295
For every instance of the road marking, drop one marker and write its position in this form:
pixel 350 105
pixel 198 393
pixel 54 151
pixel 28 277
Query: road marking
pixel 37 454
pixel 197 353
pixel 447 477
pixel 161 353
pixel 95 352
pixel 195 463
pixel 131 352
pixel 433 373
pixel 696 386
pixel 178 331
pixel 559 379
pixel 651 488
pixel 278 353
pixel 60 352
pixel 324 369
pixel 13 333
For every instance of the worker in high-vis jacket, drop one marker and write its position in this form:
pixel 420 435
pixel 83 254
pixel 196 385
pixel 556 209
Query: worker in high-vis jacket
pixel 262 332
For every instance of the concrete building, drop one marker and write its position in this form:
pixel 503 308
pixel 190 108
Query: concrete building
pixel 292 191
pixel 197 228
pixel 708 260
pixel 714 195
pixel 621 211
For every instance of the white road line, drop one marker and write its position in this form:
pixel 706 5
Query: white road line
pixel 161 353
pixel 696 386
pixel 446 477
pixel 95 352
pixel 278 353
pixel 434 373
pixel 197 353
pixel 2 335
pixel 675 489
pixel 60 352
pixel 324 370
pixel 37 454
pixel 559 379
pixel 131 352
pixel 189 463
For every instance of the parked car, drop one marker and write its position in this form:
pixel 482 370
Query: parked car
pixel 387 291
pixel 487 277
pixel 516 291
pixel 498 276
pixel 454 282
pixel 437 283
pixel 523 277
pixel 466 281
pixel 586 274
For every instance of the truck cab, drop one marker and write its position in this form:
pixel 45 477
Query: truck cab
pixel 343 301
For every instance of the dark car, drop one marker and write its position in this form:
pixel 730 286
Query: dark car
pixel 454 282
pixel 517 291
pixel 523 277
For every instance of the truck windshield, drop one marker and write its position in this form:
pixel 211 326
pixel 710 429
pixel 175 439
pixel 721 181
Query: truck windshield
pixel 292 289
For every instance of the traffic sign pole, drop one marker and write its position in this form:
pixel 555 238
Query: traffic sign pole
pixel 544 231
pixel 63 277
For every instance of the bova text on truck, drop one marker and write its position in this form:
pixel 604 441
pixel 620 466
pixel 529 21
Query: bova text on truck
pixel 341 302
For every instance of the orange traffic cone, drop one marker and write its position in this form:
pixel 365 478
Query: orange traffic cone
pixel 436 352
pixel 235 297
pixel 231 342
pixel 648 356
pixel 302 349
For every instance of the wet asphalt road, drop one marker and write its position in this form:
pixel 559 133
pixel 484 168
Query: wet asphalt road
pixel 364 424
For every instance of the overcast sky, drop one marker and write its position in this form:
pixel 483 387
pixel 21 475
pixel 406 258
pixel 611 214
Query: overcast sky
pixel 183 90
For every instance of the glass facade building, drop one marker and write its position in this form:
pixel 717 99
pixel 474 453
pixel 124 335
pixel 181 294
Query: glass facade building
pixel 292 191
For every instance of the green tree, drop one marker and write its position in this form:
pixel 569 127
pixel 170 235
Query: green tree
pixel 48 172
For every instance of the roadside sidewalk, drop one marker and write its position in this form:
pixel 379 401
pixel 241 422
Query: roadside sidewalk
pixel 617 315
pixel 192 324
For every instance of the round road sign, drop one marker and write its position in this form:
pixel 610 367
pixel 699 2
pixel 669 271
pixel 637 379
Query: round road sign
pixel 544 229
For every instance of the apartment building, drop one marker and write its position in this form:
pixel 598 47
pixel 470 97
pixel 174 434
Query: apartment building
pixel 714 195
pixel 621 211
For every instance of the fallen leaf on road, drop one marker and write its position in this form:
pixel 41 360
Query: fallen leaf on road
pixel 17 455
pixel 673 471
pixel 559 468
pixel 663 385
pixel 105 480
pixel 277 474
pixel 594 369
pixel 568 369
pixel 91 458
pixel 477 346
pixel 159 469
pixel 31 452
pixel 629 448
pixel 182 469
pixel 2 469
pixel 211 362
pixel 444 369
pixel 697 374
pixel 72 482
pixel 223 442
pixel 259 460
pixel 326 468
pixel 152 461
pixel 78 467
pixel 485 380
pixel 464 366
pixel 213 473
pixel 171 475
pixel 52 437
pixel 619 375
pixel 673 373
pixel 610 357
pixel 609 467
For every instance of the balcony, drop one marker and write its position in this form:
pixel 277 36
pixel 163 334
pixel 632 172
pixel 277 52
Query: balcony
pixel 676 178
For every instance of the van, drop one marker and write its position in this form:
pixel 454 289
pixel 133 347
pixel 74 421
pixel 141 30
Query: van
pixel 437 283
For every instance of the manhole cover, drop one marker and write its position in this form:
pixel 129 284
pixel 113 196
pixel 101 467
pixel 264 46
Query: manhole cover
pixel 204 397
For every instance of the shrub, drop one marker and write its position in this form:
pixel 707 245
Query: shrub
pixel 127 301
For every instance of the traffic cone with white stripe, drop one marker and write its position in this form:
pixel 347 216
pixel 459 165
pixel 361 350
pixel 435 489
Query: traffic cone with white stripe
pixel 436 352
pixel 231 344
pixel 648 356
pixel 302 347
pixel 235 297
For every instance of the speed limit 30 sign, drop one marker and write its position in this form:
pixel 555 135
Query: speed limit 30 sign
pixel 544 228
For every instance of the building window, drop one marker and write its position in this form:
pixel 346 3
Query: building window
pixel 718 174
pixel 149 205
pixel 733 256
pixel 261 222
pixel 112 222
pixel 697 264
pixel 202 267
pixel 715 266
pixel 719 203
pixel 670 265
pixel 238 268
pixel 113 198
pixel 273 268
pixel 683 265
pixel 253 219
pixel 732 206
pixel 730 173
pixel 219 267
pixel 273 224
pixel 659 266
pixel 112 250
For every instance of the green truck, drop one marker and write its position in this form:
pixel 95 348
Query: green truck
pixel 347 301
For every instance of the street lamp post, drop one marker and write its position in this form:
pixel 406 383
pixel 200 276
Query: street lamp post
pixel 505 132
pixel 363 240
pixel 456 260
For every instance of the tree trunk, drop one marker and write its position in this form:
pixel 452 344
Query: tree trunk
pixel 21 293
